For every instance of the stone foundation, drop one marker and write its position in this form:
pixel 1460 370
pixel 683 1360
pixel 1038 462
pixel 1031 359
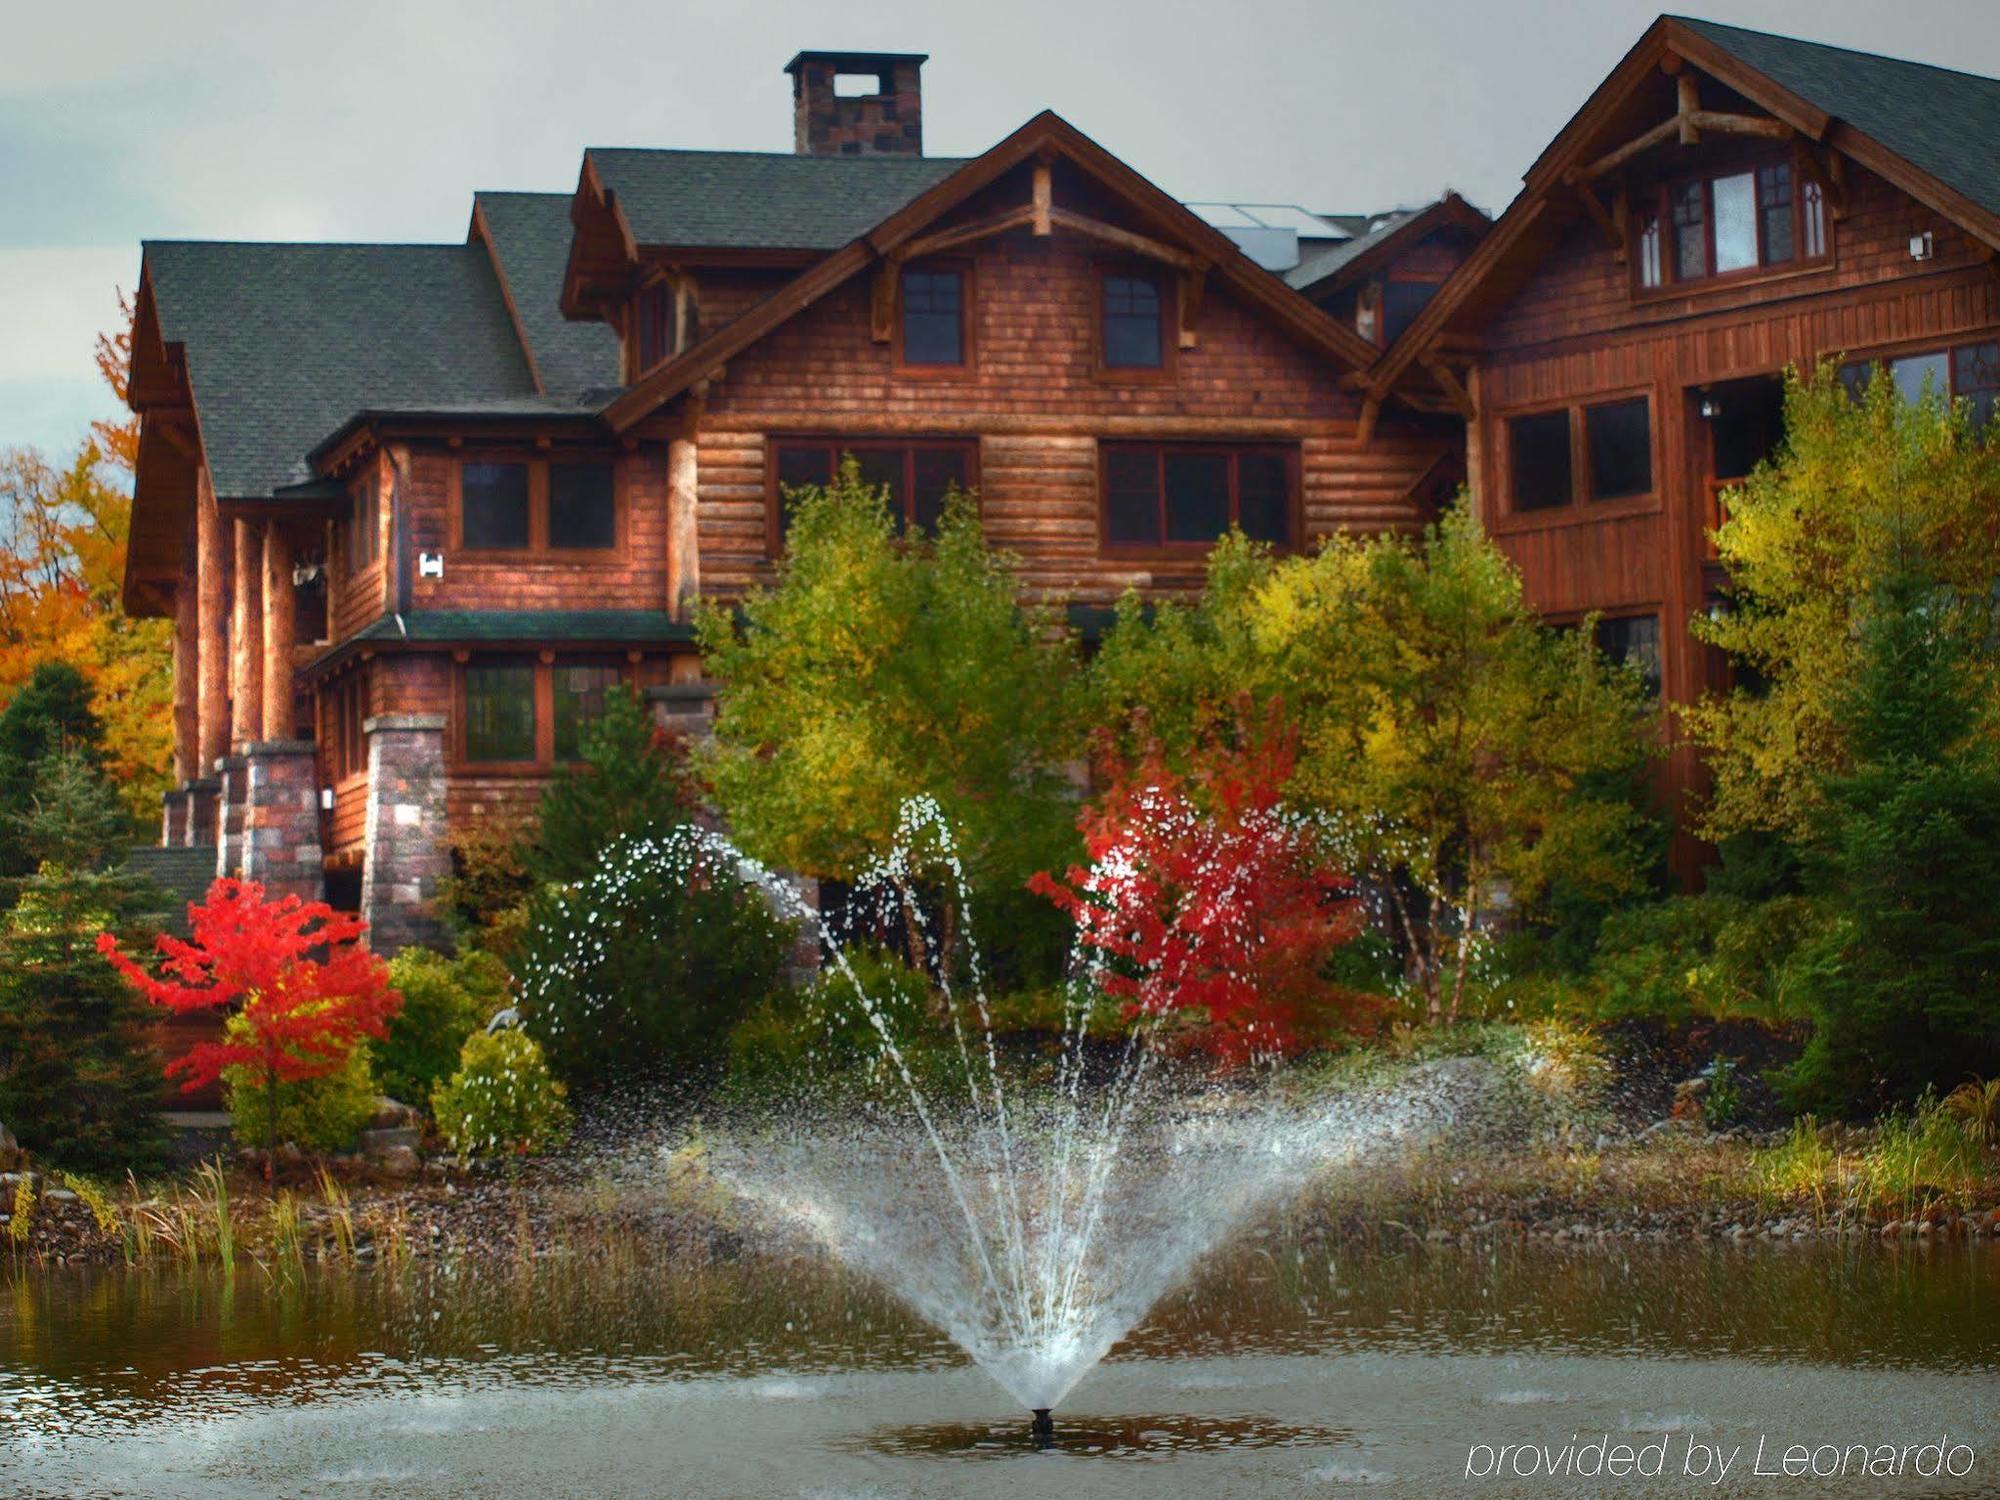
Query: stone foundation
pixel 404 852
pixel 280 843
pixel 232 774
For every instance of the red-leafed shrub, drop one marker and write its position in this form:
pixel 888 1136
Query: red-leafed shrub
pixel 309 992
pixel 1207 903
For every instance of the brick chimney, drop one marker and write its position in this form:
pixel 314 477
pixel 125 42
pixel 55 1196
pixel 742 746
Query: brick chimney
pixel 857 103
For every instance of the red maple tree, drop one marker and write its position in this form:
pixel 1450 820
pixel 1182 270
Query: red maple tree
pixel 310 993
pixel 1206 900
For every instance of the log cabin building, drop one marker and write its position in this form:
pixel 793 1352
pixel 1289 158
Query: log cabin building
pixel 416 509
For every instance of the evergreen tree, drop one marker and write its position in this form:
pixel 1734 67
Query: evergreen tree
pixel 1905 987
pixel 50 713
pixel 627 785
pixel 79 1082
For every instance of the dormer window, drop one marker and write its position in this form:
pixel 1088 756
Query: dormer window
pixel 666 318
pixel 1131 313
pixel 934 316
pixel 1728 224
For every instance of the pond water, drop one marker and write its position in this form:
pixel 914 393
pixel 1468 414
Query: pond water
pixel 1286 1368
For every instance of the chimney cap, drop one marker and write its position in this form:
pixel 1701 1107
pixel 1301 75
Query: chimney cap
pixel 860 62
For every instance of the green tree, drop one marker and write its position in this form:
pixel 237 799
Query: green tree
pixel 1904 987
pixel 50 714
pixel 1810 540
pixel 80 1084
pixel 1466 758
pixel 627 785
pixel 882 668
pixel 445 1000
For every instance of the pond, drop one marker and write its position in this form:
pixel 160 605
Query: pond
pixel 1287 1367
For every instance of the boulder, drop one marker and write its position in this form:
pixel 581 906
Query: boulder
pixel 381 1141
pixel 393 1114
pixel 398 1162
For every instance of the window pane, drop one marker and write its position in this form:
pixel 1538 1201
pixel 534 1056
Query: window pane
pixel 1689 202
pixel 500 712
pixel 938 470
pixel 1910 374
pixel 1748 426
pixel 1813 212
pixel 882 468
pixel 1854 376
pixel 1649 250
pixel 1264 497
pixel 1131 323
pixel 1634 642
pixel 1401 302
pixel 800 468
pixel 1975 375
pixel 1774 207
pixel 583 509
pixel 1132 496
pixel 1538 465
pixel 495 500
pixel 931 324
pixel 1735 222
pixel 1197 496
pixel 1621 449
pixel 581 691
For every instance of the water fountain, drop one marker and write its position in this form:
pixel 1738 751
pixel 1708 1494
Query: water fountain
pixel 1033 1209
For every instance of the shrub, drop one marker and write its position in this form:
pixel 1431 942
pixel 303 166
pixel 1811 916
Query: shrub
pixel 815 1035
pixel 502 1100
pixel 321 1113
pixel 642 970
pixel 444 1001
pixel 489 881
pixel 629 784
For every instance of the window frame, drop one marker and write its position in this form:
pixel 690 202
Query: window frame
pixel 361 544
pixel 1166 287
pixel 543 665
pixel 538 550
pixel 1165 550
pixel 774 532
pixel 968 358
pixel 1581 507
pixel 343 711
pixel 1888 354
pixel 1655 205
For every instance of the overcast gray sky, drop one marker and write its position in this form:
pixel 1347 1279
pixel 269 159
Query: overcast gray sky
pixel 375 119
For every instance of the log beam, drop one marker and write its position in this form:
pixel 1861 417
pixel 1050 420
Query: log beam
pixel 1687 100
pixel 246 632
pixel 1364 430
pixel 280 632
pixel 211 632
pixel 1614 237
pixel 187 679
pixel 1125 239
pixel 964 234
pixel 1192 286
pixel 882 302
pixel 1449 383
pixel 683 536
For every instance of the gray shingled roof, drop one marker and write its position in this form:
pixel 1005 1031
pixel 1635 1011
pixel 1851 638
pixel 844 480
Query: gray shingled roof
pixel 1316 268
pixel 1942 122
pixel 531 235
pixel 748 200
pixel 286 342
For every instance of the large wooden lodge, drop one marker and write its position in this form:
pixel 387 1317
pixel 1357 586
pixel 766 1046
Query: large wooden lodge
pixel 415 509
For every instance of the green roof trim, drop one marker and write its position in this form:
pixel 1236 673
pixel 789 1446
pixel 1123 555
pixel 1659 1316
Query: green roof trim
pixel 514 627
pixel 753 200
pixel 1942 122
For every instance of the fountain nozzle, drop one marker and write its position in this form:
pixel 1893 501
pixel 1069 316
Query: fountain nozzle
pixel 1044 1428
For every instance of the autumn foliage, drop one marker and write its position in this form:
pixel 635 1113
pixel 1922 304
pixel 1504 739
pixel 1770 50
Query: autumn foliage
pixel 309 992
pixel 1208 904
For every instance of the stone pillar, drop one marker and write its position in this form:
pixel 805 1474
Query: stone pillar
pixel 173 818
pixel 404 852
pixel 280 632
pixel 231 775
pixel 686 709
pixel 280 843
pixel 203 799
pixel 211 632
pixel 683 540
pixel 246 638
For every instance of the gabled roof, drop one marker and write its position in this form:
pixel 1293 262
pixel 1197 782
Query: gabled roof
pixel 1943 123
pixel 528 236
pixel 1046 135
pixel 1392 233
pixel 284 342
pixel 1927 130
pixel 751 200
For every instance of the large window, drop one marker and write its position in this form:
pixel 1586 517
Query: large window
pixel 1633 641
pixel 581 690
pixel 933 316
pixel 515 505
pixel 499 713
pixel 1163 496
pixel 1132 323
pixel 917 475
pixel 493 507
pixel 1603 451
pixel 1969 372
pixel 345 706
pixel 1726 223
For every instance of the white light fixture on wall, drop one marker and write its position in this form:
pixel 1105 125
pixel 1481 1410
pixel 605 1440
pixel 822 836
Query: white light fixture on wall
pixel 1922 247
pixel 430 565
